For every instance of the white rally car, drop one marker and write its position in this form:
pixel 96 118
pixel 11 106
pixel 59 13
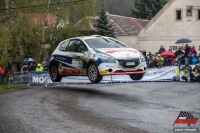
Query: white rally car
pixel 95 56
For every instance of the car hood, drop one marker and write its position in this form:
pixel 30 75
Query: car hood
pixel 120 53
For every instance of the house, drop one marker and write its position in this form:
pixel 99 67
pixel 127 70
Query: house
pixel 126 28
pixel 177 19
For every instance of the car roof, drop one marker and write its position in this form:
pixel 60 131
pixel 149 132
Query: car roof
pixel 90 37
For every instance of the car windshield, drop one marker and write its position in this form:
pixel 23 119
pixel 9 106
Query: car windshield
pixel 105 43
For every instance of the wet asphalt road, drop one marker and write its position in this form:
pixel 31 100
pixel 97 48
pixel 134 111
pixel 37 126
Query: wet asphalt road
pixel 101 108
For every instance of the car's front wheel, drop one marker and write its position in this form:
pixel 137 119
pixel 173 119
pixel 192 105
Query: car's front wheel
pixel 54 74
pixel 136 76
pixel 93 73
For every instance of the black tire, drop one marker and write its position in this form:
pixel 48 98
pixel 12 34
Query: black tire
pixel 93 73
pixel 136 76
pixel 54 74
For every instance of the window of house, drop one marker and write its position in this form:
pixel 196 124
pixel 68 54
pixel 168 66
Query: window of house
pixel 198 17
pixel 199 47
pixel 189 13
pixel 174 47
pixel 178 14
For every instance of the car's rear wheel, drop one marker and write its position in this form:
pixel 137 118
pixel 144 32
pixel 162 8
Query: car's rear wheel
pixel 93 73
pixel 54 74
pixel 136 76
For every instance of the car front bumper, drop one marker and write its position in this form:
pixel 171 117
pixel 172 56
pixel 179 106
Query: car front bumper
pixel 117 69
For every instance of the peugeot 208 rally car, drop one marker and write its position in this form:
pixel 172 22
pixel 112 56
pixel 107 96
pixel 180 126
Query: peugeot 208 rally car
pixel 95 56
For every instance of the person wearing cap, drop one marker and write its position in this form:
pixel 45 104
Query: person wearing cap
pixel 39 68
pixel 186 72
pixel 195 75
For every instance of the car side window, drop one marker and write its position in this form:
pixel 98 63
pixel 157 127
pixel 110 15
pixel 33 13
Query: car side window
pixel 76 46
pixel 63 45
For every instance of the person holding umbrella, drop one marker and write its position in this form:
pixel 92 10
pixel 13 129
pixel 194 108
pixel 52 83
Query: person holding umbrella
pixel 187 51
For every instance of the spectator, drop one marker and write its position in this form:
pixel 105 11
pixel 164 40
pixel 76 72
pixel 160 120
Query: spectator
pixel 0 74
pixel 39 68
pixel 10 75
pixel 193 51
pixel 31 67
pixel 179 52
pixel 159 62
pixel 153 62
pixel 194 75
pixel 160 58
pixel 149 57
pixel 170 49
pixel 182 59
pixel 24 68
pixel 161 50
pixel 3 75
pixel 189 59
pixel 45 66
pixel 167 61
pixel 194 60
pixel 199 60
pixel 198 55
pixel 186 72
pixel 187 51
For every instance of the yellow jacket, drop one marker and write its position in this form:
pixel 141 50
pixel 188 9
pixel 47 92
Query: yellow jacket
pixel 39 68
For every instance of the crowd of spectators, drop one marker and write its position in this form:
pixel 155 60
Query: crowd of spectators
pixel 184 55
pixel 31 66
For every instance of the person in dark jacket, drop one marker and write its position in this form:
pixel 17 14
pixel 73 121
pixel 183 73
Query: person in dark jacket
pixel 167 61
pixel 181 59
pixel 161 50
pixel 153 62
pixel 195 74
pixel 187 51
pixel 31 67
pixel 10 75
pixel 179 52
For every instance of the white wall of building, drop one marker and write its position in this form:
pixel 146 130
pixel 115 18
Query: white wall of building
pixel 164 29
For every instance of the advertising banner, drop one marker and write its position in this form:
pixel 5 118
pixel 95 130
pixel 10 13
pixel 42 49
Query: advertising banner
pixel 169 73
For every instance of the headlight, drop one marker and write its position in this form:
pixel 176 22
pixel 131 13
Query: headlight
pixel 104 56
pixel 142 58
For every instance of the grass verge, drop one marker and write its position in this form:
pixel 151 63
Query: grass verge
pixel 9 88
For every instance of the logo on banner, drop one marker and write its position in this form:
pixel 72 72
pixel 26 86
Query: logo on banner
pixel 41 79
pixel 185 118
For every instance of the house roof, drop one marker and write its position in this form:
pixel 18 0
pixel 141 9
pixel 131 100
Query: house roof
pixel 123 26
pixel 126 26
pixel 39 18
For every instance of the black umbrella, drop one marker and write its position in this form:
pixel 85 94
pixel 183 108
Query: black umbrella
pixel 183 40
